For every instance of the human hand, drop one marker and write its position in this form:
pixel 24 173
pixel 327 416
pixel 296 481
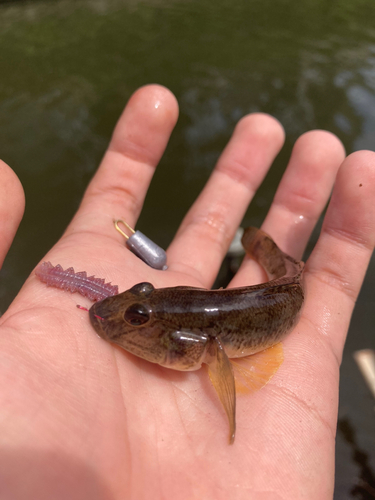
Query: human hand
pixel 81 418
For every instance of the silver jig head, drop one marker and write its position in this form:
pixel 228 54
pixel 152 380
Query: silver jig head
pixel 143 247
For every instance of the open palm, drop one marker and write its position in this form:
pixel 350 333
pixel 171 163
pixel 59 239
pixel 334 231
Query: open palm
pixel 82 419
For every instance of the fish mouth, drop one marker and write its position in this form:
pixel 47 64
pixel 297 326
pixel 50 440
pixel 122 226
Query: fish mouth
pixel 97 321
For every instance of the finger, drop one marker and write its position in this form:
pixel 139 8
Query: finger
pixel 304 190
pixel 12 206
pixel 209 226
pixel 301 196
pixel 335 271
pixel 119 187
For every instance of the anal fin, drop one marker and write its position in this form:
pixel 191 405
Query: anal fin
pixel 255 371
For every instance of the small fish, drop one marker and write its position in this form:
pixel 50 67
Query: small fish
pixel 184 327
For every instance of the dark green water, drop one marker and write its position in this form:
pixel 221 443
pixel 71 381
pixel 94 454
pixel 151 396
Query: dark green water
pixel 67 69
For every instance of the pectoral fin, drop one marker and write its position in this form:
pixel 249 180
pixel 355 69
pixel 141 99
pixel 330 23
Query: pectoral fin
pixel 221 375
pixel 253 372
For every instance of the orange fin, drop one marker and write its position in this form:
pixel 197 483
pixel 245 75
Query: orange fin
pixel 221 374
pixel 255 371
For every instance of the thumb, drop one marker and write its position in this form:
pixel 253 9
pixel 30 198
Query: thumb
pixel 12 206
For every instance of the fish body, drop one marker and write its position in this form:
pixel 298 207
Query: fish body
pixel 173 326
pixel 182 327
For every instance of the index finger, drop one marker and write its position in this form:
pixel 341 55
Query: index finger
pixel 119 187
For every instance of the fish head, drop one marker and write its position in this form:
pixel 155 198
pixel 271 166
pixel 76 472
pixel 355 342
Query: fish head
pixel 131 320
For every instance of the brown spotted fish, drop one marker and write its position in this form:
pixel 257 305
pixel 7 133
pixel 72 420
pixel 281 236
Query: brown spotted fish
pixel 184 327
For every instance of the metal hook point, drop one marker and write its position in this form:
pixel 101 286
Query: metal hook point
pixel 117 221
pixel 143 247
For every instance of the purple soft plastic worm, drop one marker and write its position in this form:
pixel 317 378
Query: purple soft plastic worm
pixel 93 288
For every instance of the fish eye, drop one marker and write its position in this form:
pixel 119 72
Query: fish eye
pixel 136 315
